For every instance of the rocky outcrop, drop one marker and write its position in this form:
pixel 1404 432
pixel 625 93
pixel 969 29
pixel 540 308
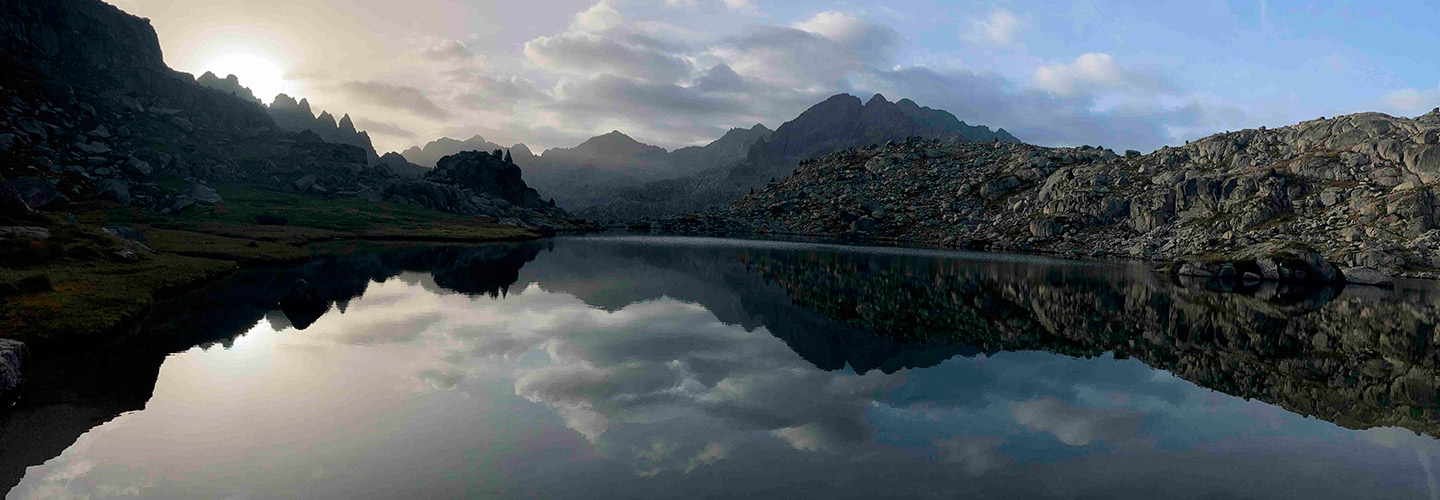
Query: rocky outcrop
pixel 397 164
pixel 481 184
pixel 1355 190
pixel 839 122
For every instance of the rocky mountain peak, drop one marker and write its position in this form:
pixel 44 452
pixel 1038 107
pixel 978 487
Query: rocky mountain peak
pixel 346 125
pixel 877 100
pixel 612 143
pixel 229 85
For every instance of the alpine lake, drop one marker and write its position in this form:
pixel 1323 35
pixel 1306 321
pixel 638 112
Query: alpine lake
pixel 624 366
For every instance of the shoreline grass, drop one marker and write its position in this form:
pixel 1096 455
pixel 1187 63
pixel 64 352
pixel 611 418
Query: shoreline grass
pixel 95 285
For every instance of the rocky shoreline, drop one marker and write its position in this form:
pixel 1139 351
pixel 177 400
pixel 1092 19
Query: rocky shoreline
pixel 1304 202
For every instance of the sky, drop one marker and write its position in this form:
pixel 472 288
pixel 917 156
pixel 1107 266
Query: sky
pixel 551 73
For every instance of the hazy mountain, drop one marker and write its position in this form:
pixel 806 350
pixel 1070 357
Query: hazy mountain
pixel 572 176
pixel 612 152
pixel 429 155
pixel 727 150
pixel 837 123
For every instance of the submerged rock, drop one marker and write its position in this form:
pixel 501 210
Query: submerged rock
pixel 12 355
pixel 1367 276
pixel 303 304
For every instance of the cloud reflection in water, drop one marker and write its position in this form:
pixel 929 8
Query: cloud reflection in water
pixel 545 393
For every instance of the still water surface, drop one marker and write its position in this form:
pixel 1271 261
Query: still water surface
pixel 620 367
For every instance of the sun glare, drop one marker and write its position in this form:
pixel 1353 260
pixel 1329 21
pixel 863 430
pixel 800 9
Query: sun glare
pixel 262 75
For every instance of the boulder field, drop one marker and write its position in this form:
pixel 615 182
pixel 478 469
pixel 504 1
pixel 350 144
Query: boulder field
pixel 1352 196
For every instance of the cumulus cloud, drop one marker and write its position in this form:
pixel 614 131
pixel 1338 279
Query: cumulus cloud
pixel 599 17
pixel 999 27
pixel 1074 425
pixel 399 97
pixel 1087 72
pixel 872 42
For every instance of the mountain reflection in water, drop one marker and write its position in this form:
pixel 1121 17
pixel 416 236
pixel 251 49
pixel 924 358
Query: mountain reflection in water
pixel 654 367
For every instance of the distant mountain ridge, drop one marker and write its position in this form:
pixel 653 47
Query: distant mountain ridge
pixel 432 152
pixel 839 122
pixel 602 163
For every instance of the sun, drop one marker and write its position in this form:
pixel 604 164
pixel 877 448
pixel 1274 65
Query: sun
pixel 261 74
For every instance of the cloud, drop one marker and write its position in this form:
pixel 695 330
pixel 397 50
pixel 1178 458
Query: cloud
pixel 872 42
pixel 1000 27
pixel 447 50
pixel 1073 425
pixel 1410 101
pixel 383 128
pixel 1087 72
pixel 587 54
pixel 399 97
pixel 746 6
pixel 497 92
pixel 599 17
pixel 616 65
pixel 978 456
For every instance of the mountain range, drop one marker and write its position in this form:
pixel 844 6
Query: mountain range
pixel 602 163
pixel 613 177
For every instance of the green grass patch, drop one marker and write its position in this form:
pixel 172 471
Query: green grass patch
pixel 90 301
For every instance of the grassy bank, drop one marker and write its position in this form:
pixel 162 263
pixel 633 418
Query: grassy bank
pixel 82 284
